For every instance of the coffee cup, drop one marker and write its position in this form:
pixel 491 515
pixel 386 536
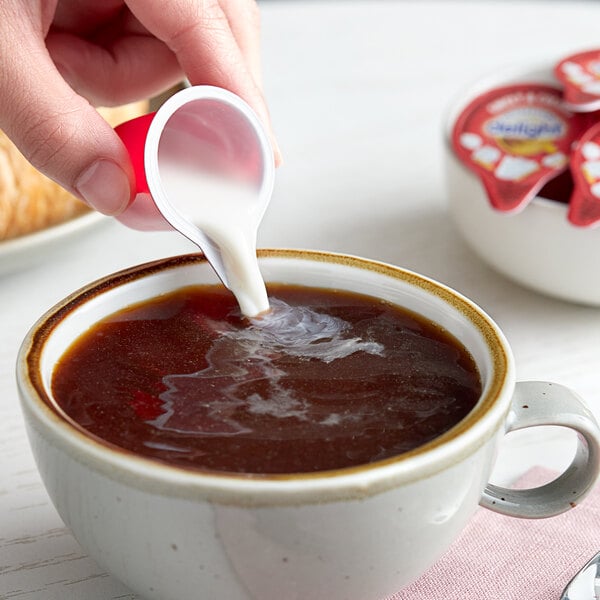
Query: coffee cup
pixel 357 533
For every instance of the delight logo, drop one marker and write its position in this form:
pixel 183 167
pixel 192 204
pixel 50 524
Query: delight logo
pixel 526 124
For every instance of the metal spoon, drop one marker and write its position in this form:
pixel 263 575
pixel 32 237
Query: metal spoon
pixel 586 583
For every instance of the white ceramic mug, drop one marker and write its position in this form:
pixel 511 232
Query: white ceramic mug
pixel 355 534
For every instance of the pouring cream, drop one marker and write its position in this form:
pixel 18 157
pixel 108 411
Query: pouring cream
pixel 227 217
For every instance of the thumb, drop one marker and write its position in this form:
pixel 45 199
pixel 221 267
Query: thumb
pixel 60 133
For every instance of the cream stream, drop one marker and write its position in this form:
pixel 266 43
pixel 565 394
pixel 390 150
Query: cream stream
pixel 227 212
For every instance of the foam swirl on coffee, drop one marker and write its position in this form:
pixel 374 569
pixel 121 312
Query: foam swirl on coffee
pixel 250 354
pixel 303 332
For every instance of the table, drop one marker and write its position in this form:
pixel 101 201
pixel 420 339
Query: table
pixel 357 91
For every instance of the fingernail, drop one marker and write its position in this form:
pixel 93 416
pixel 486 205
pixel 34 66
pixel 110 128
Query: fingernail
pixel 105 187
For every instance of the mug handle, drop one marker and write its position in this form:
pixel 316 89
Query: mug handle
pixel 536 403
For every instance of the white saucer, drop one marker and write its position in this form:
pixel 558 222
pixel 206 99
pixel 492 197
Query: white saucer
pixel 26 250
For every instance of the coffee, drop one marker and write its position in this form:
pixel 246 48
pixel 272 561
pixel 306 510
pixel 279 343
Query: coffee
pixel 325 380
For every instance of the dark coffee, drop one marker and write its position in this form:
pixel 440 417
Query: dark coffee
pixel 326 380
pixel 559 188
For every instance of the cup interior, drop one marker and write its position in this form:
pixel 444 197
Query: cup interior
pixel 57 330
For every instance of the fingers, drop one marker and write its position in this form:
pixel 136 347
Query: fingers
pixel 129 68
pixel 214 44
pixel 61 133
pixel 83 16
pixel 243 17
pixel 57 130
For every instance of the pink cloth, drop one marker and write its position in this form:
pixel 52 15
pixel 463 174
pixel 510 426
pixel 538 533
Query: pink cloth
pixel 504 558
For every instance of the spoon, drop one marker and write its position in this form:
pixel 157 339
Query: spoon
pixel 586 583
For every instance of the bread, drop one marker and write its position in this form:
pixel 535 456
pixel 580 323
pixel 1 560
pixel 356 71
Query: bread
pixel 29 201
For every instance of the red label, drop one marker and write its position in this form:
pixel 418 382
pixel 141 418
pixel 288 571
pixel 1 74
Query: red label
pixel 516 138
pixel 580 76
pixel 584 206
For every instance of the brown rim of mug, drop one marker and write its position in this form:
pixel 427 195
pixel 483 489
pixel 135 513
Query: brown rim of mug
pixel 42 331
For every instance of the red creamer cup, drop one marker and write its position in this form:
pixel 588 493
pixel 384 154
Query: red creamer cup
pixel 584 205
pixel 580 76
pixel 516 138
pixel 142 213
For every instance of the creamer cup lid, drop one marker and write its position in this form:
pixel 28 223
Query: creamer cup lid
pixel 516 138
pixel 584 205
pixel 579 75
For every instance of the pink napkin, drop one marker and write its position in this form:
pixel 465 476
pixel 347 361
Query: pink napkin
pixel 503 558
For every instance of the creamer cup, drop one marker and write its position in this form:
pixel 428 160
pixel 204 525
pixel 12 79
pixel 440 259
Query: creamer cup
pixel 204 166
pixel 584 205
pixel 516 139
pixel 579 75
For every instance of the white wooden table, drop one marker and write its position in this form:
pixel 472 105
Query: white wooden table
pixel 358 92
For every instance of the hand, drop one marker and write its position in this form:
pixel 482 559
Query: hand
pixel 58 56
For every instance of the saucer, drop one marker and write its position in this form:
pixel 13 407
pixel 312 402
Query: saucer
pixel 27 250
